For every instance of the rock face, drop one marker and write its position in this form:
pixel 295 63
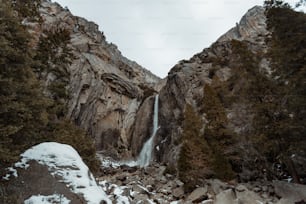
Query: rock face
pixel 186 81
pixel 251 26
pixel 106 88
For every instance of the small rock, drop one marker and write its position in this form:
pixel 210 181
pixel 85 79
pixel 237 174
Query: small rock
pixel 210 201
pixel 169 176
pixel 121 177
pixel 226 197
pixel 241 188
pixel 178 192
pixel 198 195
pixel 249 197
pixel 140 197
pixel 257 189
pixel 140 189
pixel 150 171
pixel 217 185
pixel 264 188
pixel 163 180
pixel 179 183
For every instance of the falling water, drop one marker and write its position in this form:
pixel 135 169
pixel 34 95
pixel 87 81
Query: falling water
pixel 145 155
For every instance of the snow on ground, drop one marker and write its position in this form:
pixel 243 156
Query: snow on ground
pixel 41 199
pixel 64 161
pixel 118 192
pixel 109 162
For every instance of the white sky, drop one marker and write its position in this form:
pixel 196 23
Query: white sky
pixel 159 33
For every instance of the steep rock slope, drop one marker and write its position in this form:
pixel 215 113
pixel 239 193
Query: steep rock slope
pixel 106 89
pixel 186 82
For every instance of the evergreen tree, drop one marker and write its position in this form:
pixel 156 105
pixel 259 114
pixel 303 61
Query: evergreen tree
pixel 26 114
pixel 53 57
pixel 219 137
pixel 195 155
pixel 287 51
pixel 22 105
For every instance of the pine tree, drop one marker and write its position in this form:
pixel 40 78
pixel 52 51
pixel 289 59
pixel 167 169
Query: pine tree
pixel 287 50
pixel 195 155
pixel 219 137
pixel 22 105
pixel 26 114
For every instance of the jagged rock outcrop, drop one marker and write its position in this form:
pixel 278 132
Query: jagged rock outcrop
pixel 251 27
pixel 186 81
pixel 106 89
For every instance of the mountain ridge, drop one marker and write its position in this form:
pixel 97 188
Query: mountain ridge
pixel 226 113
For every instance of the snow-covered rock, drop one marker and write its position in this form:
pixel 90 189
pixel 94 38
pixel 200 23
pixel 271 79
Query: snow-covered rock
pixel 51 168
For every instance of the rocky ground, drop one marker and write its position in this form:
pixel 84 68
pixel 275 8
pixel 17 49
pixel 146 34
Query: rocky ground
pixel 153 185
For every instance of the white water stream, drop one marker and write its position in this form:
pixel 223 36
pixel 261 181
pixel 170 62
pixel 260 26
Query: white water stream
pixel 145 155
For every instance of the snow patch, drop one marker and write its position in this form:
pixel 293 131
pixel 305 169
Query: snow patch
pixel 11 171
pixel 41 199
pixel 118 192
pixel 63 160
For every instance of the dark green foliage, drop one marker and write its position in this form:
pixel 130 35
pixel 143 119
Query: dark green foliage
pixel 53 57
pixel 23 106
pixel 195 155
pixel 219 137
pixel 286 117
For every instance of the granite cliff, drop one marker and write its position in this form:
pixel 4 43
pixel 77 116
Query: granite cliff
pixel 106 89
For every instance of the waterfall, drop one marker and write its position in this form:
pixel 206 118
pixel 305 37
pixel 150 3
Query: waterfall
pixel 145 155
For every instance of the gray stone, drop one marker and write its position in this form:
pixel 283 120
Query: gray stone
pixel 257 189
pixel 249 197
pixel 226 197
pixel 207 202
pixel 289 192
pixel 217 185
pixel 179 183
pixel 241 188
pixel 140 197
pixel 198 194
pixel 178 192
pixel 264 189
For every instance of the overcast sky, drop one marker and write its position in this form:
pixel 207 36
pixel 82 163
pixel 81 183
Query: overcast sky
pixel 159 33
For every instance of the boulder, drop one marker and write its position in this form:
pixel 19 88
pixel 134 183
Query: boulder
pixel 249 197
pixel 53 171
pixel 289 192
